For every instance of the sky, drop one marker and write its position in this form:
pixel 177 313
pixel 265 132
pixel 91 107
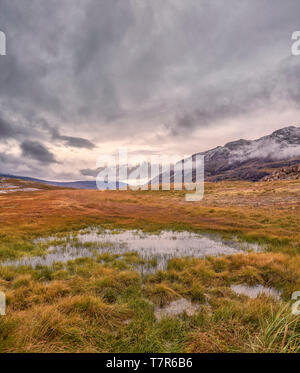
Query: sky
pixel 82 78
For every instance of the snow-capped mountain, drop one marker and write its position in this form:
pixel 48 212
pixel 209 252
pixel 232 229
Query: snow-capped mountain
pixel 252 159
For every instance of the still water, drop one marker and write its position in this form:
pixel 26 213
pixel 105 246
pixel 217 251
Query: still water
pixel 255 291
pixel 162 247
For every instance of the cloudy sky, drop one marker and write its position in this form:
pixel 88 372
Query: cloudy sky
pixel 84 77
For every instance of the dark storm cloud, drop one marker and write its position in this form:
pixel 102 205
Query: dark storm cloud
pixel 123 69
pixel 242 97
pixel 70 141
pixel 89 172
pixel 37 151
pixel 15 128
pixel 76 142
pixel 5 130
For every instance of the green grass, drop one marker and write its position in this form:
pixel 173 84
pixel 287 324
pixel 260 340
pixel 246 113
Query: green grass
pixel 102 304
pixel 99 306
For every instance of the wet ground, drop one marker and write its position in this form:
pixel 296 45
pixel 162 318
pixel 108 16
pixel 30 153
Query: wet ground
pixel 155 248
pixel 14 190
pixel 175 308
pixel 6 188
pixel 255 291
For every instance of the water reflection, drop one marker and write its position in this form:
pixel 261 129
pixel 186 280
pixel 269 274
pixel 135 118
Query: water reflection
pixel 162 247
pixel 175 308
pixel 255 291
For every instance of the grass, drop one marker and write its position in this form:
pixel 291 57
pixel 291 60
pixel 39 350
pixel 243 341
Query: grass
pixel 104 305
pixel 89 306
pixel 280 332
pixel 252 211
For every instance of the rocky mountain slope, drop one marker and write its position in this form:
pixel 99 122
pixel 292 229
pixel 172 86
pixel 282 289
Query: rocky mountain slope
pixel 252 159
pixel 285 173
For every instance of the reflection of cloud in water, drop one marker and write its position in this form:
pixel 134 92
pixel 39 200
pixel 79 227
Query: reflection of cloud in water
pixel 162 247
pixel 255 291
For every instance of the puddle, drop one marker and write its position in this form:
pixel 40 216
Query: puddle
pixel 177 307
pixel 162 247
pixel 16 189
pixel 8 186
pixel 255 291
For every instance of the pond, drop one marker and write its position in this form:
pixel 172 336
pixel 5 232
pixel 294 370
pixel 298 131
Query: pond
pixel 162 247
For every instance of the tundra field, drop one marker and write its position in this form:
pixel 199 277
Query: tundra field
pixel 103 303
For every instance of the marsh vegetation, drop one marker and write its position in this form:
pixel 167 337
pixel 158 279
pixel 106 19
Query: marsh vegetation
pixel 101 301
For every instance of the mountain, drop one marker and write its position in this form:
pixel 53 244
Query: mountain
pixel 251 159
pixel 67 184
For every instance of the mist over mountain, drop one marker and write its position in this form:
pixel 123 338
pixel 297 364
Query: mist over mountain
pixel 251 159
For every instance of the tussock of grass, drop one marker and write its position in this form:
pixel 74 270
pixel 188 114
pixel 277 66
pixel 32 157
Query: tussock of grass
pixel 280 332
pixel 161 294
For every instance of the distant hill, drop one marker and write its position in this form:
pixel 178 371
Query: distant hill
pixel 83 184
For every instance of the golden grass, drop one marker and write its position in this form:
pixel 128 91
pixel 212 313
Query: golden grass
pixel 105 306
pixel 98 308
pixel 255 209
